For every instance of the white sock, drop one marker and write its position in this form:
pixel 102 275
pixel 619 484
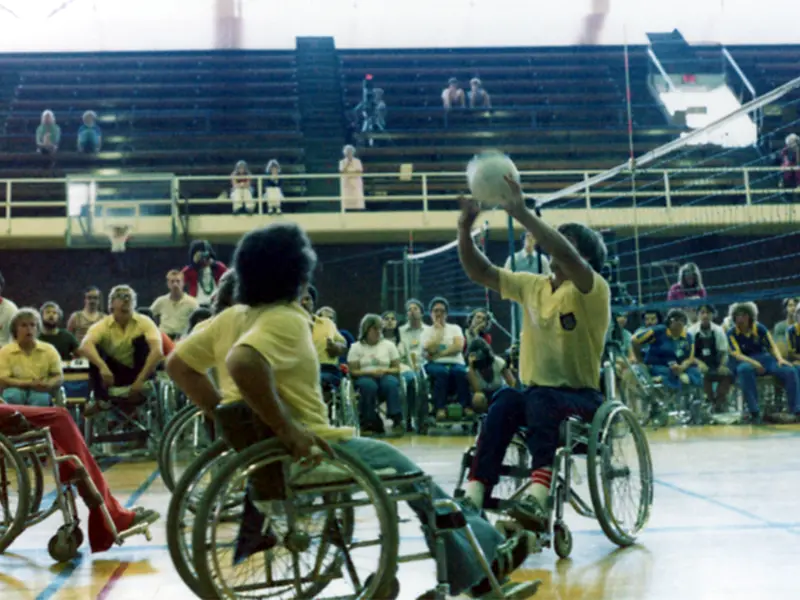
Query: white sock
pixel 474 491
pixel 539 493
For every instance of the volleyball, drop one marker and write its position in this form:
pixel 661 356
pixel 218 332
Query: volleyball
pixel 485 177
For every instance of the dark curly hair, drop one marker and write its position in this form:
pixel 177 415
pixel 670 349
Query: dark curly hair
pixel 199 315
pixel 224 296
pixel 588 243
pixel 272 264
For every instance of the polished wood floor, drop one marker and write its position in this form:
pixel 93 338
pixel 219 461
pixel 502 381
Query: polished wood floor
pixel 725 524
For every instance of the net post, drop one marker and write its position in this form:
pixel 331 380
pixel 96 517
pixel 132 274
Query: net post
pixel 425 193
pixel 667 190
pixel 748 198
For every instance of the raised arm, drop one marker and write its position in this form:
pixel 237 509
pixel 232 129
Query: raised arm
pixel 477 267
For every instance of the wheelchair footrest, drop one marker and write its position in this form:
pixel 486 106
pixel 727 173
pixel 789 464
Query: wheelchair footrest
pixel 450 520
pixel 520 591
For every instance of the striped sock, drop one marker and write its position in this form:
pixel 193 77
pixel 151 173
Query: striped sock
pixel 540 490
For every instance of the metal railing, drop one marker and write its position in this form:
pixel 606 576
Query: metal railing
pixel 401 191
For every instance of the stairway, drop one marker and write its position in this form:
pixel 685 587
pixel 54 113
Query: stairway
pixel 321 105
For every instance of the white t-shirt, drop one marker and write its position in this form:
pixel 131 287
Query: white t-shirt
pixel 411 341
pixel 450 333
pixel 498 366
pixel 206 285
pixel 373 358
pixel 7 311
pixel 173 316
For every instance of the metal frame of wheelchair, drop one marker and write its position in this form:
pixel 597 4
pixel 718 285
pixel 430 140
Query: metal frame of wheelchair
pixel 27 452
pixel 336 484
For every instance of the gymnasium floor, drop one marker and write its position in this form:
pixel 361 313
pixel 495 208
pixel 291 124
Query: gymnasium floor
pixel 724 525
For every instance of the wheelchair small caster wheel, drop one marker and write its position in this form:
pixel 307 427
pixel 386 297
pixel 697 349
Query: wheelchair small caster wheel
pixel 63 546
pixel 562 540
pixel 390 592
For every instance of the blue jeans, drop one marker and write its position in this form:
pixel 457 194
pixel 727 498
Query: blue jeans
pixel 506 415
pixel 411 392
pixel 746 378
pixel 447 378
pixel 372 390
pixel 673 381
pixel 26 397
pixel 463 569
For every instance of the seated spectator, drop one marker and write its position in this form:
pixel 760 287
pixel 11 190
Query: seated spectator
pixel 487 374
pixel 241 191
pixel 411 333
pixel 80 321
pixel 172 310
pixel 329 313
pixel 478 97
pixel 62 340
pixel 781 331
pixel 478 325
pixel 690 284
pixel 671 352
pixel 48 134
pixel 374 365
pixel 273 187
pixel 753 352
pixel 123 348
pixel 711 355
pixel 621 338
pixel 443 344
pixel 391 332
pixel 203 273
pixel 30 370
pixel 90 138
pixel 453 95
pixel 329 343
pixel 68 440
pixel 7 311
pixel 790 161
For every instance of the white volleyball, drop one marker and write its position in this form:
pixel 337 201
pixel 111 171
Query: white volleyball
pixel 485 177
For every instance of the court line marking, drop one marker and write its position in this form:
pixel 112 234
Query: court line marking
pixel 67 572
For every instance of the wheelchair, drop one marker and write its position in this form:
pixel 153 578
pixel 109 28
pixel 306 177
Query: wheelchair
pixel 25 456
pixel 346 405
pixel 602 443
pixel 655 403
pixel 185 437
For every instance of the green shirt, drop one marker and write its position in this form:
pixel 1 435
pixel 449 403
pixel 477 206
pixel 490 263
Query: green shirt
pixel 54 131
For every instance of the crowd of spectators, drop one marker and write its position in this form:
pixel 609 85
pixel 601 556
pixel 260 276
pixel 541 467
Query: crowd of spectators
pixel 89 138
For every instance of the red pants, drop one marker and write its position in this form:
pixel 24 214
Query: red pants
pixel 68 440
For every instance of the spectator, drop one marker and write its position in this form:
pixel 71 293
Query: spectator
pixel 619 334
pixel 7 311
pixel 62 340
pixel 351 183
pixel 411 355
pixel 478 325
pixel 223 296
pixel 453 95
pixel 48 134
pixel 167 344
pixel 391 332
pixel 328 342
pixel 90 138
pixel 30 370
pixel 689 286
pixel 443 344
pixel 671 353
pixel 782 328
pixel 487 374
pixel 241 192
pixel 379 117
pixel 80 321
pixel 172 310
pixel 478 97
pixel 793 340
pixel 374 363
pixel 199 315
pixel 711 354
pixel 753 352
pixel 790 161
pixel 527 260
pixel 273 185
pixel 203 273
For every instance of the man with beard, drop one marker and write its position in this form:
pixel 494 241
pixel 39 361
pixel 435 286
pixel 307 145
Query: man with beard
pixel 203 272
pixel 80 321
pixel 66 343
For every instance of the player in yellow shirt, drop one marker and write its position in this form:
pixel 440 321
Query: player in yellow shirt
pixel 266 359
pixel 565 319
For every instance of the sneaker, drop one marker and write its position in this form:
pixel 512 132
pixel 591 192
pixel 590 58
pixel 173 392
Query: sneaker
pixel 143 516
pixel 529 513
pixel 508 558
pixel 784 418
pixel 96 407
pixel 441 414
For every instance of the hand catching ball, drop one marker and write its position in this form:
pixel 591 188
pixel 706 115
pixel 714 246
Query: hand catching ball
pixel 486 174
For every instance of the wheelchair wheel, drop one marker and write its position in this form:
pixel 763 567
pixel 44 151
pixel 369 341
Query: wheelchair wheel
pixel 188 438
pixel 637 397
pixel 620 471
pixel 311 539
pixel 36 477
pixel 15 493
pixel 183 505
pixel 173 422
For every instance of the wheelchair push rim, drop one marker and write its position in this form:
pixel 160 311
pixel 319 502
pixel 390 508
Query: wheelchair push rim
pixel 187 440
pixel 15 493
pixel 335 540
pixel 620 473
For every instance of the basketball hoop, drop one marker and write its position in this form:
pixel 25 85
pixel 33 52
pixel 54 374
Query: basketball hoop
pixel 119 236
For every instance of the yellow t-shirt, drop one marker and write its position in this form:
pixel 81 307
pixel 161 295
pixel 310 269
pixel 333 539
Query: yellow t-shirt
pixel 563 331
pixel 43 362
pixel 322 329
pixel 281 333
pixel 111 338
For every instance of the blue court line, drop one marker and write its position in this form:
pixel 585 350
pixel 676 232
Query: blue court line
pixel 65 573
pixel 103 463
pixel 713 501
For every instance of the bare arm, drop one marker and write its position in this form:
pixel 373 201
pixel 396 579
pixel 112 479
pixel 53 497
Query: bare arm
pixel 89 351
pixel 355 369
pixel 475 264
pixel 155 356
pixel 474 382
pixel 509 378
pixel 15 383
pixel 197 386
pixel 71 323
pixel 457 347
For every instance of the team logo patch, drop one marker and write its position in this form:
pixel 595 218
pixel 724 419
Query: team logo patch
pixel 568 321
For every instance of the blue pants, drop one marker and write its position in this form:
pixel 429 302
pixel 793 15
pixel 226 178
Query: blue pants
pixel 673 381
pixel 446 378
pixel 372 390
pixel 26 397
pixel 330 377
pixel 463 569
pixel 746 378
pixel 506 415
pixel 411 392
